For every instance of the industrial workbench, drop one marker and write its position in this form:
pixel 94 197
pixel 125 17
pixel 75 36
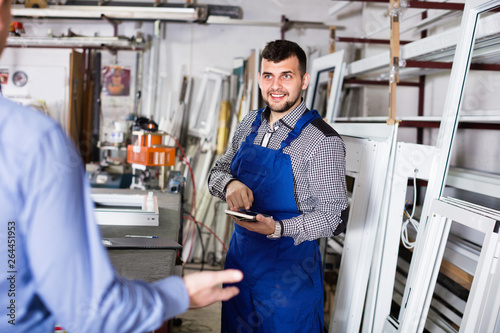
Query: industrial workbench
pixel 147 263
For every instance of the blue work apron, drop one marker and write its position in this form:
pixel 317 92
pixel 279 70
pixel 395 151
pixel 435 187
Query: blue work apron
pixel 282 290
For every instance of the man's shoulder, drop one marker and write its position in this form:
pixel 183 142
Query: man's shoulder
pixel 17 121
pixel 23 130
pixel 252 114
pixel 319 133
pixel 249 118
pixel 324 127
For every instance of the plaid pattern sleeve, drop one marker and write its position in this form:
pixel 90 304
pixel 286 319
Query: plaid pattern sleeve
pixel 320 190
pixel 220 175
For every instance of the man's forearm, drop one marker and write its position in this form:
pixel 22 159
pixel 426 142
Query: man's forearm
pixel 217 183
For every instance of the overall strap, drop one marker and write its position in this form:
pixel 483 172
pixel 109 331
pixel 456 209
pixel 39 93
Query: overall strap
pixel 305 120
pixel 255 127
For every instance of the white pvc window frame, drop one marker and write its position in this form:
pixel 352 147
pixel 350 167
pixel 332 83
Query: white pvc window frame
pixel 203 120
pixel 331 62
pixel 482 304
pixel 450 118
pixel 384 263
pixel 458 76
pixel 451 112
pixel 420 161
pixel 126 209
pixel 411 160
pixel 369 149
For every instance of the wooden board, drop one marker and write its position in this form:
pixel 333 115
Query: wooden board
pixel 76 75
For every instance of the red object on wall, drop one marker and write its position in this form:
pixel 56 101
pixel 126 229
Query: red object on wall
pixel 16 28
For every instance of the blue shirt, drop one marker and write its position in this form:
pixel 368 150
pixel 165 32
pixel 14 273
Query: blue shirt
pixel 53 266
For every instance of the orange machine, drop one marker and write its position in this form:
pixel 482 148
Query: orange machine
pixel 147 149
pixel 149 158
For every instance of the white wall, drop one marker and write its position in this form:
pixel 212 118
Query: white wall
pixel 48 82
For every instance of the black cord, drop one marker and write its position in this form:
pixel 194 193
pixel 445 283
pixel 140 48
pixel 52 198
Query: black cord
pixel 202 246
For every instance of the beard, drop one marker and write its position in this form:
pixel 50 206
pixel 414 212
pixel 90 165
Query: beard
pixel 280 108
pixel 283 108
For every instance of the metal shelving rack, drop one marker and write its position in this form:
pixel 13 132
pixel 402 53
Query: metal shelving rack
pixel 425 56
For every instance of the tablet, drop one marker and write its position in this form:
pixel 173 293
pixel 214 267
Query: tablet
pixel 244 215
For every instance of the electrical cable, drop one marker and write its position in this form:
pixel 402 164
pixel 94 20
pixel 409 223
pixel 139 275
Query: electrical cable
pixel 193 199
pixel 201 242
pixel 191 245
pixel 191 217
pixel 187 233
pixel 216 210
pixel 211 231
pixel 410 220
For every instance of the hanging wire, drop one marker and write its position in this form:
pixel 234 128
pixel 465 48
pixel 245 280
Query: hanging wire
pixel 210 230
pixel 410 220
pixel 184 159
pixel 191 246
pixel 191 216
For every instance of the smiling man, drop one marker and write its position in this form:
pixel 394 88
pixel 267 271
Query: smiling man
pixel 282 84
pixel 286 162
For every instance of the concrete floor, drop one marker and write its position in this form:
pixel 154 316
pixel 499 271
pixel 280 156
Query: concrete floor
pixel 206 319
pixel 200 320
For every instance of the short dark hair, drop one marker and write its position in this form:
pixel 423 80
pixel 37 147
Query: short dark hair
pixel 279 50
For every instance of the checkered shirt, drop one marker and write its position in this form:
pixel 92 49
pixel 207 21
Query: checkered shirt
pixel 318 166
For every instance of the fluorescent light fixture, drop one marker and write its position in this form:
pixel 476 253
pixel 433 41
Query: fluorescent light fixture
pixel 123 13
pixel 73 42
pixel 227 20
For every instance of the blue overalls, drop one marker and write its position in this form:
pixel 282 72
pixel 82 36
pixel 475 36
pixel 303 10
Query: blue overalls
pixel 282 290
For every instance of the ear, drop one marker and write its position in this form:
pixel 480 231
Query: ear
pixel 258 80
pixel 305 81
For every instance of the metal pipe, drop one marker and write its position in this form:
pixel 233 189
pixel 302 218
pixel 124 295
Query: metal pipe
pixel 114 23
pixel 153 70
pixel 138 82
pixel 367 40
pixel 338 7
pixel 421 91
pixel 406 17
pixel 434 5
pixel 446 65
pixel 379 82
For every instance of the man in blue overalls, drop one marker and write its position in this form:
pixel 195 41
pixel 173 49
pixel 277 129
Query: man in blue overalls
pixel 286 162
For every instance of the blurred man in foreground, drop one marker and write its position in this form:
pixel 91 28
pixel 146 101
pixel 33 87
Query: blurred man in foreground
pixel 53 267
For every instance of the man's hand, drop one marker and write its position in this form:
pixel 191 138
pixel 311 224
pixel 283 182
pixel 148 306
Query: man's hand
pixel 204 287
pixel 238 195
pixel 264 225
